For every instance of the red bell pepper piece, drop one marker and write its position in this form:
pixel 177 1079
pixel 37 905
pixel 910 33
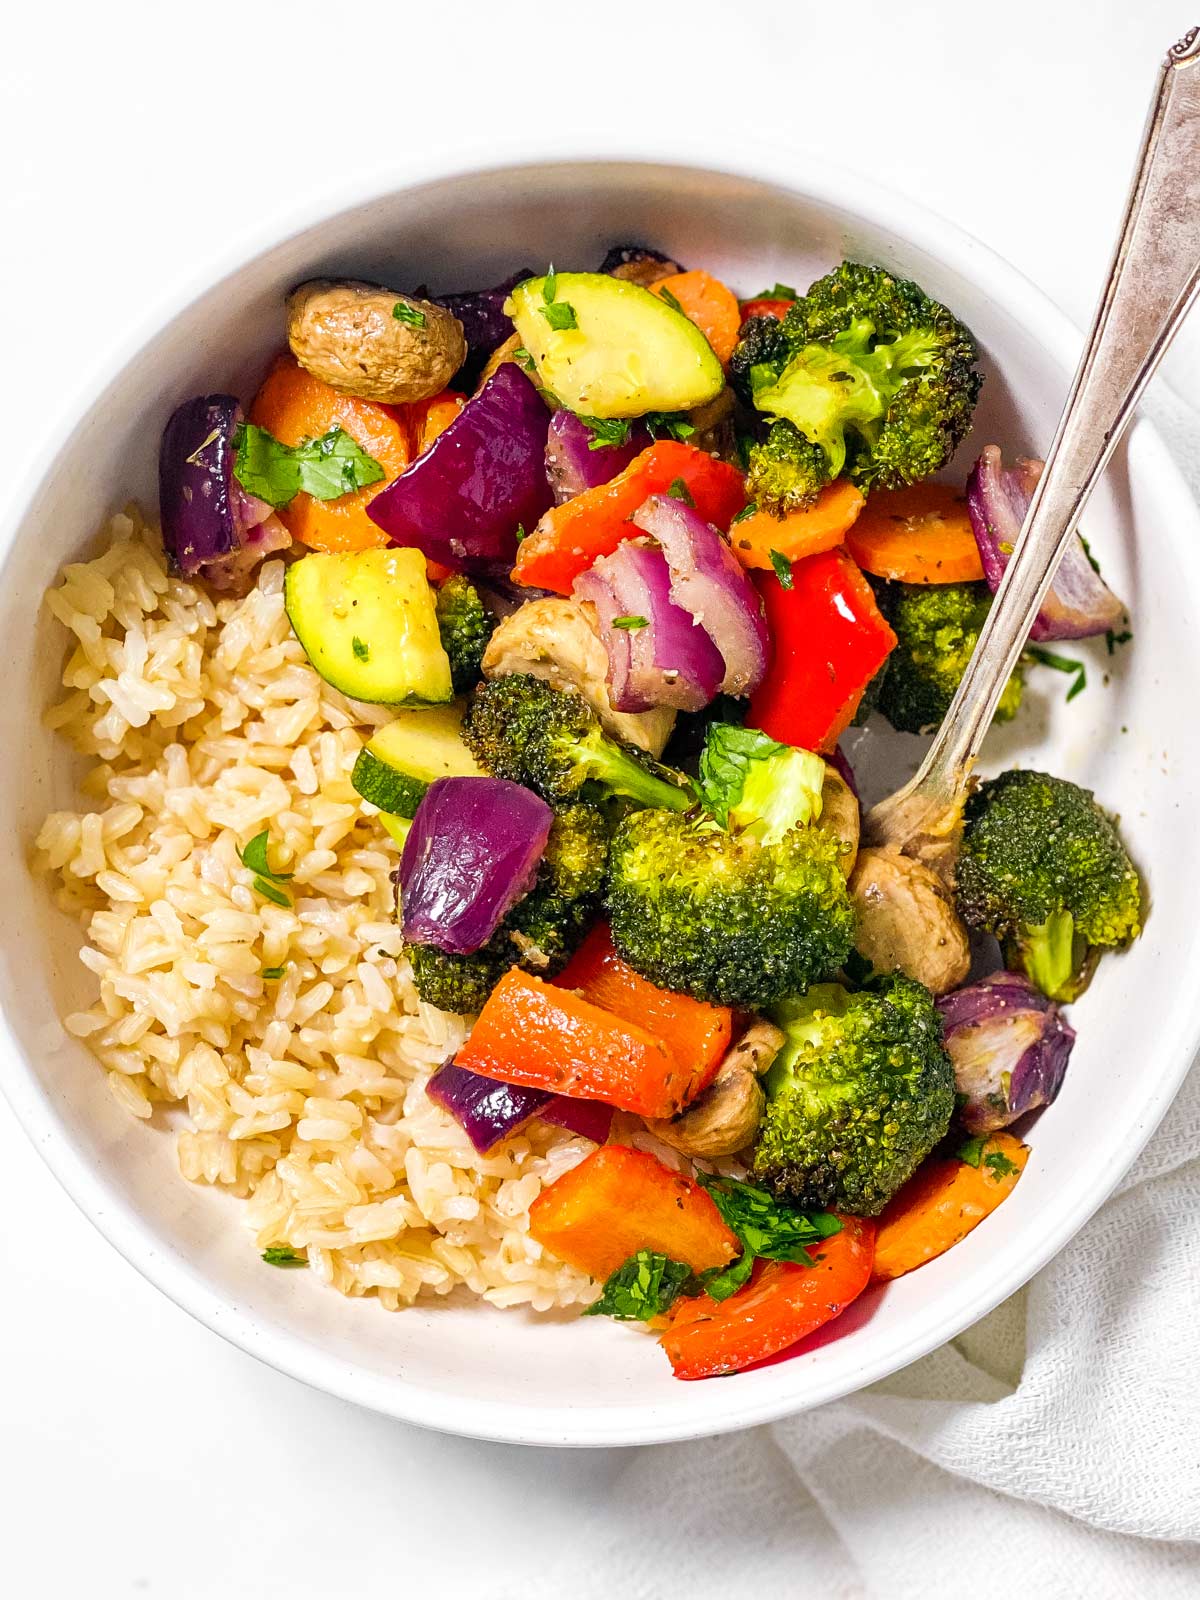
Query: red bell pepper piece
pixel 766 306
pixel 571 536
pixel 783 1303
pixel 829 639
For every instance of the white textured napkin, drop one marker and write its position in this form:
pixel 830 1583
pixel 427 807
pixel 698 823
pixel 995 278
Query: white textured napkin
pixel 1052 1451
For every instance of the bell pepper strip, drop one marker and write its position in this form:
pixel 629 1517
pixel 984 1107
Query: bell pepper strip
pixel 705 301
pixel 766 306
pixel 758 540
pixel 697 1034
pixel 917 535
pixel 571 536
pixel 294 406
pixel 829 640
pixel 619 1201
pixel 545 1037
pixel 782 1303
pixel 942 1202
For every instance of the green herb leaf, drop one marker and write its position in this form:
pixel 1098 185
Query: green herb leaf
pixel 768 1230
pixel 631 623
pixel 1092 562
pixel 550 286
pixel 1047 658
pixel 971 1150
pixel 746 511
pixel 1112 640
pixel 781 291
pixel 326 468
pixel 560 315
pixel 270 891
pixel 360 648
pixel 521 534
pixel 645 1286
pixel 254 856
pixel 674 424
pixel 1000 1164
pixel 406 313
pixel 680 491
pixel 279 1255
pixel 275 972
pixel 524 360
pixel 783 569
pixel 743 444
pixel 606 431
pixel 665 294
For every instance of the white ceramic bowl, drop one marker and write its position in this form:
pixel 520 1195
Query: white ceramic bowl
pixel 503 1375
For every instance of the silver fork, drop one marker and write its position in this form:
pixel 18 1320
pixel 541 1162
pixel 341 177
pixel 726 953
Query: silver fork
pixel 1152 282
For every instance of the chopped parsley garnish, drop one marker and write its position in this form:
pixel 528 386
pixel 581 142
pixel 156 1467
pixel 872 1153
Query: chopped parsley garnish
pixel 971 1150
pixel 1047 658
pixel 665 294
pixel 645 1286
pixel 523 359
pixel 680 491
pixel 521 534
pixel 275 972
pixel 406 313
pixel 1113 639
pixel 606 431
pixel 550 286
pixel 783 569
pixel 326 468
pixel 672 423
pixel 1087 550
pixel 361 649
pixel 781 291
pixel 768 1230
pixel 281 1255
pixel 631 623
pixel 746 511
pixel 744 444
pixel 560 315
pixel 266 882
pixel 1000 1164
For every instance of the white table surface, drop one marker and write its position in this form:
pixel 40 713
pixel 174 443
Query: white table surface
pixel 139 1454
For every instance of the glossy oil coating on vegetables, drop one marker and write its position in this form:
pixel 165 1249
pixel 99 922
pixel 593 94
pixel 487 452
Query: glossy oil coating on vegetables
pixel 495 903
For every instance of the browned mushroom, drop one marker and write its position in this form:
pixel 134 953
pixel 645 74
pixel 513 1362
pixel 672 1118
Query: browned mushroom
pixel 725 1117
pixel 373 342
pixel 906 922
pixel 840 815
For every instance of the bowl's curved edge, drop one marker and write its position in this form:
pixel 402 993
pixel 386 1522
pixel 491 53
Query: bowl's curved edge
pixel 171 1272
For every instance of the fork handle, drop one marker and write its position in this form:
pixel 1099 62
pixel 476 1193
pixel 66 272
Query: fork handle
pixel 1152 282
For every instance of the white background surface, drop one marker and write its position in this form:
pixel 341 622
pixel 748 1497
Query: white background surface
pixel 139 1455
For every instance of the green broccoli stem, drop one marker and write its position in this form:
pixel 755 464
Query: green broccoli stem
pixel 1050 955
pixel 608 764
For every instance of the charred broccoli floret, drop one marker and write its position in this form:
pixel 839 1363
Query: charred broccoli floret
pixel 936 627
pixel 465 625
pixel 741 915
pixel 541 931
pixel 866 378
pixel 858 1096
pixel 1042 867
pixel 551 740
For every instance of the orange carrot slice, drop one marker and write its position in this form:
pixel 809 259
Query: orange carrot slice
pixel 705 301
pixel 943 1202
pixel 917 535
pixel 823 526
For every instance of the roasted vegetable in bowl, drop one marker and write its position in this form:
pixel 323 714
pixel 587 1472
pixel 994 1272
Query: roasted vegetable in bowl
pixel 506 812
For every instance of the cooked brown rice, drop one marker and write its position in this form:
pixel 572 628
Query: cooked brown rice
pixel 304 1094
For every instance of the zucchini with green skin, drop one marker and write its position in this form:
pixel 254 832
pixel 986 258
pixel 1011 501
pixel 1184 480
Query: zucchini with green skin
pixel 396 766
pixel 368 623
pixel 608 348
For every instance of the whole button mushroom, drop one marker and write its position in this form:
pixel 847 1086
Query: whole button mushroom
pixel 372 342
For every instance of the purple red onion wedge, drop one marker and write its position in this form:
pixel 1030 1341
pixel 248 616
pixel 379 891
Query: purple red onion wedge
pixel 1009 1045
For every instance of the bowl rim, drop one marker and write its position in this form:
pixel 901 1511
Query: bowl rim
pixel 715 1408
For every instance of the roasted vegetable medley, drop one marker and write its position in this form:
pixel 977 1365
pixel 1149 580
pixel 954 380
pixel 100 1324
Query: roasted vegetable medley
pixel 625 557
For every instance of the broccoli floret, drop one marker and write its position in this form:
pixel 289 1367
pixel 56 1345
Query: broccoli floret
pixel 858 1096
pixel 465 625
pixel 723 916
pixel 551 740
pixel 937 627
pixel 541 931
pixel 874 377
pixel 761 342
pixel 1042 867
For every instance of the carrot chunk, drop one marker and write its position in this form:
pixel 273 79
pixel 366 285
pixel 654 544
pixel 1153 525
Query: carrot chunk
pixel 942 1202
pixel 759 537
pixel 917 535
pixel 705 301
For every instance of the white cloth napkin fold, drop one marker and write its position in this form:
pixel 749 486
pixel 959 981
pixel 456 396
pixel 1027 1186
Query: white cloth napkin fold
pixel 1051 1451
